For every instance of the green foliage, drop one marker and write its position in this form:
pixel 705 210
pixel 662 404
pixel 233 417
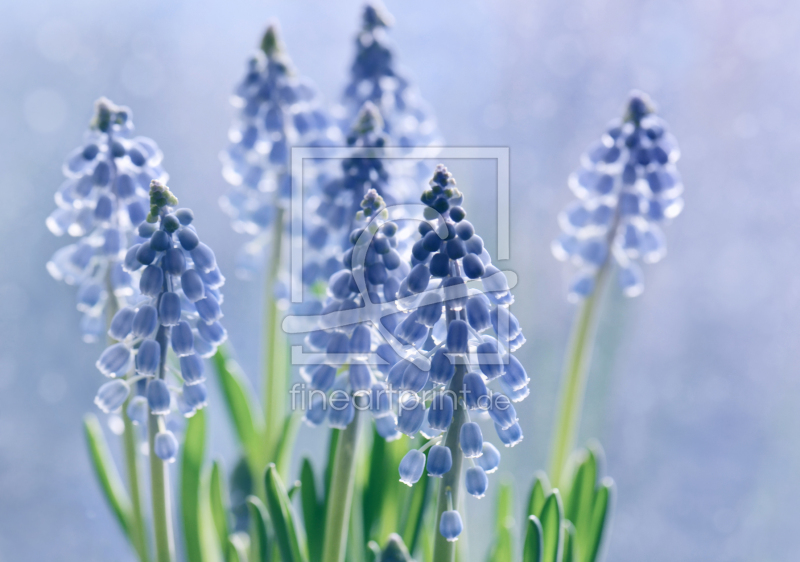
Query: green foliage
pixel 241 407
pixel 394 551
pixel 289 533
pixel 259 530
pixel 587 501
pixel 107 474
pixel 416 500
pixel 503 547
pixel 539 492
pixel 192 507
pixel 552 528
pixel 532 550
pixel 219 508
pixel 313 509
pixel 570 551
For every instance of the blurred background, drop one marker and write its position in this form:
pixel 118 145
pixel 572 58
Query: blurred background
pixel 694 388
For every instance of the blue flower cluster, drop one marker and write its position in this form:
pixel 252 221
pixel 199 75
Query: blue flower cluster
pixel 375 78
pixel 179 308
pixel 450 318
pixel 421 318
pixel 627 187
pixel 278 109
pixel 350 329
pixel 102 202
pixel 330 221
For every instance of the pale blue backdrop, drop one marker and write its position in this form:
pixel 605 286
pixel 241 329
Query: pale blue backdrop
pixel 694 393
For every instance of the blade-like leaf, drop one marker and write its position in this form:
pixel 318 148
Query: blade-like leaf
pixel 552 516
pixel 600 520
pixel 583 500
pixel 283 453
pixel 332 442
pixel 570 549
pixel 259 535
pixel 313 511
pixel 107 474
pixel 375 487
pixel 190 485
pixel 503 547
pixel 414 511
pixel 571 482
pixel 539 492
pixel 237 548
pixel 533 541
pixel 241 407
pixel 219 503
pixel 288 530
pixel 395 550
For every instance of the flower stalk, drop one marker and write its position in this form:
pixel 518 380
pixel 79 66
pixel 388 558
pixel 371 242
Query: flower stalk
pixel 275 376
pixel 341 493
pixel 159 474
pixel 573 379
pixel 138 535
pixel 450 486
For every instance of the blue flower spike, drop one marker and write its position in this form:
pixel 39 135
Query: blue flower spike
pixel 102 203
pixel 348 341
pixel 428 339
pixel 627 187
pixel 277 109
pixel 177 310
pixel 376 78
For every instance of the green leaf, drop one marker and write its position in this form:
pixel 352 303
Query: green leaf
pixel 532 551
pixel 107 474
pixel 259 534
pixel 332 442
pixel 375 487
pixel 288 532
pixel 503 547
pixel 570 549
pixel 395 550
pixel 219 504
pixel 239 401
pixel 283 453
pixel 582 499
pixel 293 489
pixel 552 531
pixel 313 510
pixel 600 519
pixel 539 492
pixel 192 455
pixel 415 511
pixel 236 548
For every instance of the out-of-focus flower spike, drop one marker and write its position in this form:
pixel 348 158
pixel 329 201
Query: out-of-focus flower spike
pixel 626 187
pixel 103 202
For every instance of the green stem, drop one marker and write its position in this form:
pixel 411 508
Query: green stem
pixel 138 536
pixel 137 526
pixel 573 385
pixel 159 472
pixel 275 379
pixel 340 494
pixel 444 550
pixel 159 482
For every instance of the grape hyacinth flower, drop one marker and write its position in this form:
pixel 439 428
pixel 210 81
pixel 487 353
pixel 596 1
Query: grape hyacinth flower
pixel 277 110
pixel 332 213
pixel 469 335
pixel 373 259
pixel 102 202
pixel 627 187
pixel 179 309
pixel 374 77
